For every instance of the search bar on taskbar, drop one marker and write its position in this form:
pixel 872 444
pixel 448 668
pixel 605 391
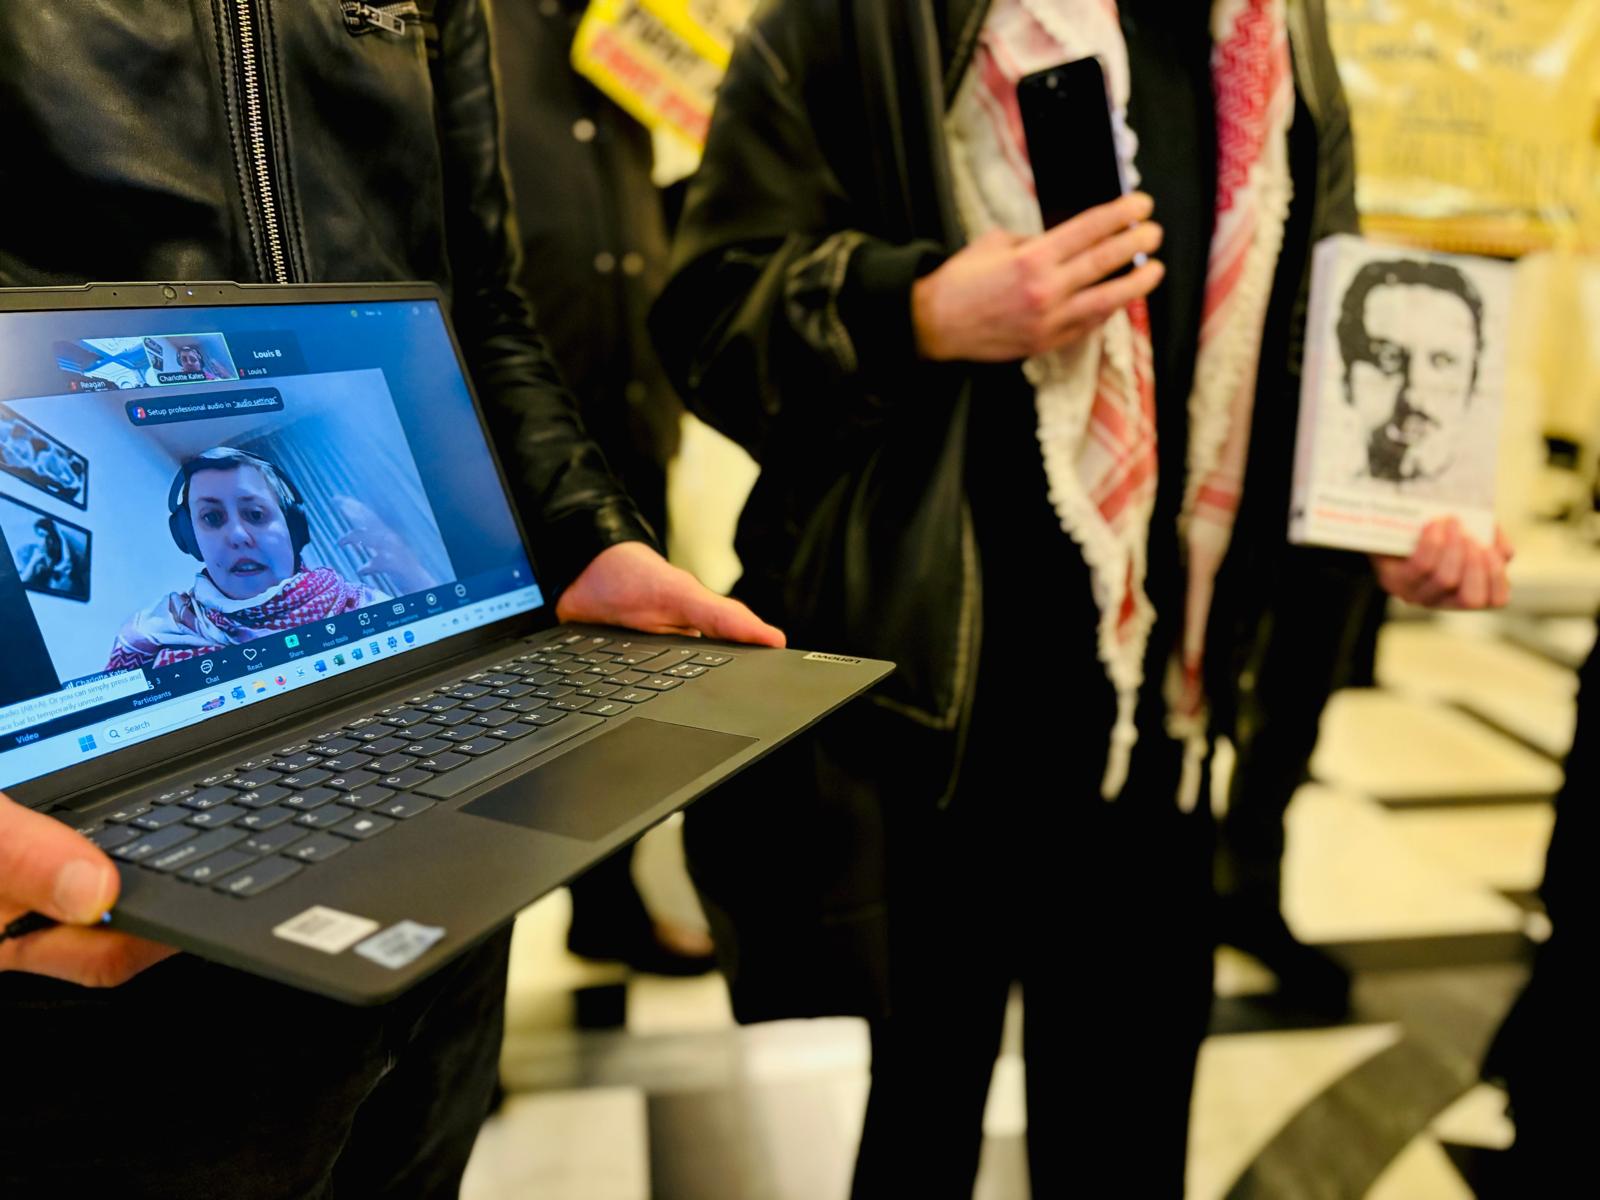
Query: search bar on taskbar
pixel 137 728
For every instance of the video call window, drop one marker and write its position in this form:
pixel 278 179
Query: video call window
pixel 155 360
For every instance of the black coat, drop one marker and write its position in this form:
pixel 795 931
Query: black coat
pixel 824 193
pixel 129 157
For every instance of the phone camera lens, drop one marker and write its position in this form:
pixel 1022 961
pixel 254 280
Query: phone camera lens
pixel 169 293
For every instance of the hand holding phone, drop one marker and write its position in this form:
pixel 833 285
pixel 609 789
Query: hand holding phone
pixel 1067 122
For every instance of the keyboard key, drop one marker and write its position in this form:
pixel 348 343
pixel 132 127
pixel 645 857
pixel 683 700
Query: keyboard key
pixel 267 818
pixel 297 748
pixel 404 780
pixel 353 780
pixel 439 704
pixel 311 798
pixel 343 763
pixel 484 704
pixel 467 691
pixel 599 691
pixel 608 708
pixel 336 745
pixel 214 818
pixel 629 678
pixel 128 812
pixel 493 720
pixel 155 843
pixel 497 679
pixel 548 717
pixel 323 817
pixel 564 669
pixel 307 779
pixel 386 745
pixel 526 706
pixel 195 849
pixel 274 840
pixel 405 806
pixel 634 696
pixel 442 762
pixel 263 797
pixel 214 780
pixel 374 733
pixel 710 660
pixel 606 670
pixel 216 866
pixel 453 718
pixel 113 836
pixel 426 747
pixel 160 818
pixel 366 797
pixel 212 796
pixel 685 671
pixel 390 763
pixel 249 780
pixel 572 704
pixel 447 786
pixel 660 683
pixel 554 692
pixel 296 762
pixel 175 796
pixel 257 878
pixel 479 745
pixel 513 691
pixel 511 733
pixel 366 825
pixel 407 717
pixel 319 847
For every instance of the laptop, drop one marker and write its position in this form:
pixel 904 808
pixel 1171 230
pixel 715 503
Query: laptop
pixel 277 642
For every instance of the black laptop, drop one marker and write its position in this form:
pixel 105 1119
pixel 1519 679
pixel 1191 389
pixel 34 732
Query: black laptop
pixel 276 641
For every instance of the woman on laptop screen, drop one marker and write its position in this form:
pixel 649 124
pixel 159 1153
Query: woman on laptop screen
pixel 244 519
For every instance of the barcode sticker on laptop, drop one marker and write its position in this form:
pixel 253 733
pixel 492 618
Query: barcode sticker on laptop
pixel 325 929
pixel 400 945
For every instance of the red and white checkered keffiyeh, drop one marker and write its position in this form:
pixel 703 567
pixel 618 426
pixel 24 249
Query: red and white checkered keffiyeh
pixel 1096 399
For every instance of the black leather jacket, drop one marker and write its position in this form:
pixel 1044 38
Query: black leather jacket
pixel 293 141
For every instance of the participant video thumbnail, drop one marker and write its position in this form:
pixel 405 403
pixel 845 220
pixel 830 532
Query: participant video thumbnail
pixel 222 521
pixel 155 360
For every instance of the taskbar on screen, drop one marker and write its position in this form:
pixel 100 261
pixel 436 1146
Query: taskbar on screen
pixel 196 689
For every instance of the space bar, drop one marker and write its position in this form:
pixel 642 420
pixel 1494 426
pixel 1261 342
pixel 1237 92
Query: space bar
pixel 453 783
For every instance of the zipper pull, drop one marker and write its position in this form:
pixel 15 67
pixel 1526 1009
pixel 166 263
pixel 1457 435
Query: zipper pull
pixel 393 18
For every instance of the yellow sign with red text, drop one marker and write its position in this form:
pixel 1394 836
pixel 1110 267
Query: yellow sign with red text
pixel 662 60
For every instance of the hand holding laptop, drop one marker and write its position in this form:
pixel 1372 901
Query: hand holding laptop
pixel 47 868
pixel 631 586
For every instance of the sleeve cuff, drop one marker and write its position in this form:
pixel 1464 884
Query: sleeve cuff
pixel 875 303
pixel 565 546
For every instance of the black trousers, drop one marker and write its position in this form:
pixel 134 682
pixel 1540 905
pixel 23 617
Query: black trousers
pixel 1100 910
pixel 197 1081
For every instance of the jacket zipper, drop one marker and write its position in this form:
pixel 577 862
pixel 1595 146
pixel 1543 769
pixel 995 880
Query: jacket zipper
pixel 259 154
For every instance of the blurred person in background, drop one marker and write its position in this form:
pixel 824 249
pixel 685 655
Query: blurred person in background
pixel 593 233
pixel 976 450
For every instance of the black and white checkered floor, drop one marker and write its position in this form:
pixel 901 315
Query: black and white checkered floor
pixel 1413 857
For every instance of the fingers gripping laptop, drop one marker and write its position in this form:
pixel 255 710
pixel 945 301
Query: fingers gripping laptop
pixel 276 640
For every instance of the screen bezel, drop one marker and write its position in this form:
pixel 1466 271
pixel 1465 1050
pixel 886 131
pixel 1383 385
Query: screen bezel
pixel 166 748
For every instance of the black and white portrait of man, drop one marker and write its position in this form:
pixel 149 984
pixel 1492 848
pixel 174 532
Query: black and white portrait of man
pixel 1411 334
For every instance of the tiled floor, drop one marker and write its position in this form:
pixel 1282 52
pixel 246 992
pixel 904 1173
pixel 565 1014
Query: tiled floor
pixel 1412 855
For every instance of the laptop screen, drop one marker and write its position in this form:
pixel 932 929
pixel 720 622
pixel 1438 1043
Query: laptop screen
pixel 203 508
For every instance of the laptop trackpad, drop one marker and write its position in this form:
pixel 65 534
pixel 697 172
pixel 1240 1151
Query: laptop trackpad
pixel 605 783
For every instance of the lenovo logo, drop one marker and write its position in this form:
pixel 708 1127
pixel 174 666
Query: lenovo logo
pixel 832 658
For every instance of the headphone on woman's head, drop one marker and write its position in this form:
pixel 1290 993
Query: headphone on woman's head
pixel 224 458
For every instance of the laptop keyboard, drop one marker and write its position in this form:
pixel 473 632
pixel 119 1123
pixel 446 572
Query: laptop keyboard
pixel 246 830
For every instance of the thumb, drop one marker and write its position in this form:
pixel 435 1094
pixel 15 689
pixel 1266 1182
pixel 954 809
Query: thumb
pixel 728 620
pixel 46 867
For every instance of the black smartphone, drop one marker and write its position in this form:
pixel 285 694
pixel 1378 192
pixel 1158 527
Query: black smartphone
pixel 1066 119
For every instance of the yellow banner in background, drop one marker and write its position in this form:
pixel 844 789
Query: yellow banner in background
pixel 1477 121
pixel 660 59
